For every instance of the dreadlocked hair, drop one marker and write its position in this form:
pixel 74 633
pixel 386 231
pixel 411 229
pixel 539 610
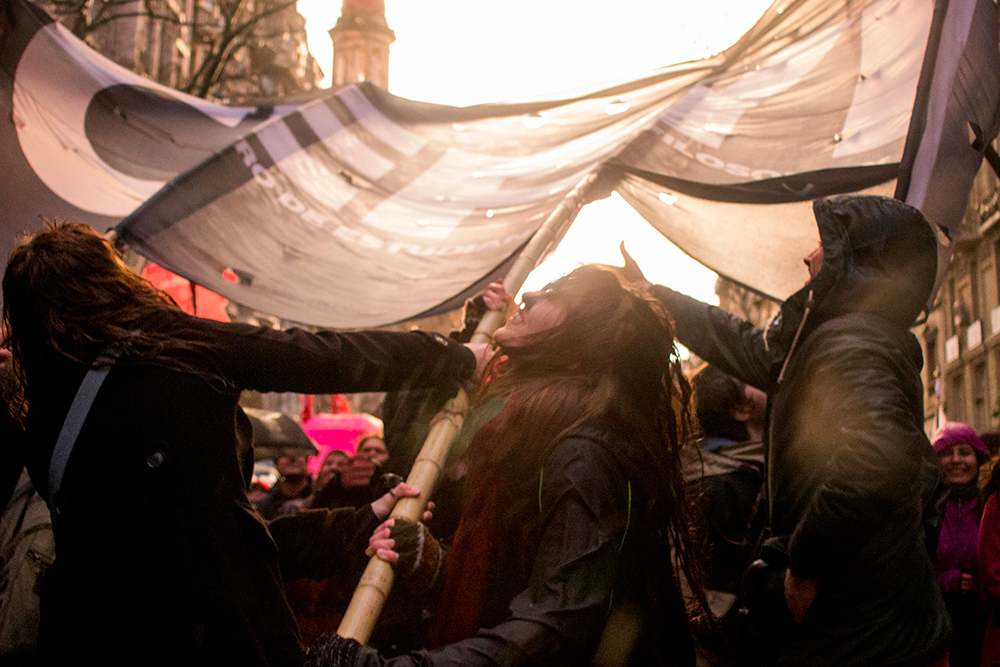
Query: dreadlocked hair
pixel 613 357
pixel 67 295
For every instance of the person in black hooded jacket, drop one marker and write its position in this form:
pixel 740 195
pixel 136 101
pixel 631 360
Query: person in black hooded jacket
pixel 161 558
pixel 851 475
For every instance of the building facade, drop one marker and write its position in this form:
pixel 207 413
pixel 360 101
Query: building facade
pixel 961 337
pixel 220 50
pixel 361 40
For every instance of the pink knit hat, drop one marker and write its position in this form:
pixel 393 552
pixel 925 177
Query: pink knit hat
pixel 957 433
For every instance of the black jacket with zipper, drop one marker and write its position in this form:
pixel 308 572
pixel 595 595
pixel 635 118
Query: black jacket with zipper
pixel 851 475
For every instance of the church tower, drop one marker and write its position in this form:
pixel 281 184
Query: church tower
pixel 361 42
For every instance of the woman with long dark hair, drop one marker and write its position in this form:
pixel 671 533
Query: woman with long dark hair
pixel 161 558
pixel 574 516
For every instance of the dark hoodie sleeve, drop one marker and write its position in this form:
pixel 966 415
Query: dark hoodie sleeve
pixel 328 361
pixel 725 341
pixel 859 431
pixel 313 544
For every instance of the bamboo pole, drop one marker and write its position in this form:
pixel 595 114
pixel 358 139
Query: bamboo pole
pixel 377 579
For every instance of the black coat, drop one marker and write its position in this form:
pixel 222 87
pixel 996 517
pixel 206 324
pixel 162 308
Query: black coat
pixel 850 472
pixel 161 558
pixel 595 548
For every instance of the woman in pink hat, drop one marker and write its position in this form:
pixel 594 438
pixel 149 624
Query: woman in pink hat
pixel 961 452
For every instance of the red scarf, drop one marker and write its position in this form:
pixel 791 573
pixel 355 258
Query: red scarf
pixel 460 607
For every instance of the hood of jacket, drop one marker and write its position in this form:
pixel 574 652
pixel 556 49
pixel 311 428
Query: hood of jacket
pixel 879 257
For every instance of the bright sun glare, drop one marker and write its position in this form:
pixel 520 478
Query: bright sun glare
pixel 461 53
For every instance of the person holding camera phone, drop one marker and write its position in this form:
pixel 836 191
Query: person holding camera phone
pixel 846 576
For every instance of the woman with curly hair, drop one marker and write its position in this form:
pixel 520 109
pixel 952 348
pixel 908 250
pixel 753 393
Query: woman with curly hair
pixel 160 556
pixel 574 518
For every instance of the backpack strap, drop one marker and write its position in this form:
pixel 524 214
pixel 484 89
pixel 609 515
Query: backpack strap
pixel 77 414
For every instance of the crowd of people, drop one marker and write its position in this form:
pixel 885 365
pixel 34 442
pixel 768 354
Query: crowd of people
pixel 783 506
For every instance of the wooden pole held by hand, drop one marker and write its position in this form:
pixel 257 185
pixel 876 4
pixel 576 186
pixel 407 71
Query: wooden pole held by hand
pixel 376 581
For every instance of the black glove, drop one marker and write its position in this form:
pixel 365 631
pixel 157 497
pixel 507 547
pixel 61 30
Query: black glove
pixel 420 555
pixel 337 651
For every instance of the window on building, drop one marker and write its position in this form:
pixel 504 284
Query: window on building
pixel 987 296
pixel 996 274
pixel 932 366
pixel 955 400
pixel 967 300
pixel 980 398
pixel 974 291
pixel 951 309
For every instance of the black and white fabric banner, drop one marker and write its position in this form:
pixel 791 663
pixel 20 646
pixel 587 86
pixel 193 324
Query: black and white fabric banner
pixel 361 209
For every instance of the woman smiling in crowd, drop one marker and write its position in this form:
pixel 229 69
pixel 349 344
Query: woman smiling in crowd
pixel 961 452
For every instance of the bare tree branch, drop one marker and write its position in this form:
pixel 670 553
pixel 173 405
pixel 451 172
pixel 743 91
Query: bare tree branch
pixel 217 37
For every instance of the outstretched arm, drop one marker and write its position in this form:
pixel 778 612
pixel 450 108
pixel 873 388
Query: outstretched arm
pixel 323 362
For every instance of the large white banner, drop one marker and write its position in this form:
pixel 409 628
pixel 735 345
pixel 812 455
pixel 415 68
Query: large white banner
pixel 361 208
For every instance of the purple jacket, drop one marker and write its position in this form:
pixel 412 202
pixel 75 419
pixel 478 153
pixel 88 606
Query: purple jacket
pixel 956 548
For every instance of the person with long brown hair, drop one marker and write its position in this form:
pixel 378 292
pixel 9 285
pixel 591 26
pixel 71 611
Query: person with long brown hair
pixel 161 558
pixel 574 516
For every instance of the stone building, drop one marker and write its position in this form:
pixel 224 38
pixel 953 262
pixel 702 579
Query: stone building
pixel 961 337
pixel 361 40
pixel 176 42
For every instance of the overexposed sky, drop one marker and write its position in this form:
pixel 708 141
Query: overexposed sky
pixel 464 52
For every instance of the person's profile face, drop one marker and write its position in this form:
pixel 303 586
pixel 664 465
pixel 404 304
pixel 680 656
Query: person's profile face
pixel 540 311
pixel 814 261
